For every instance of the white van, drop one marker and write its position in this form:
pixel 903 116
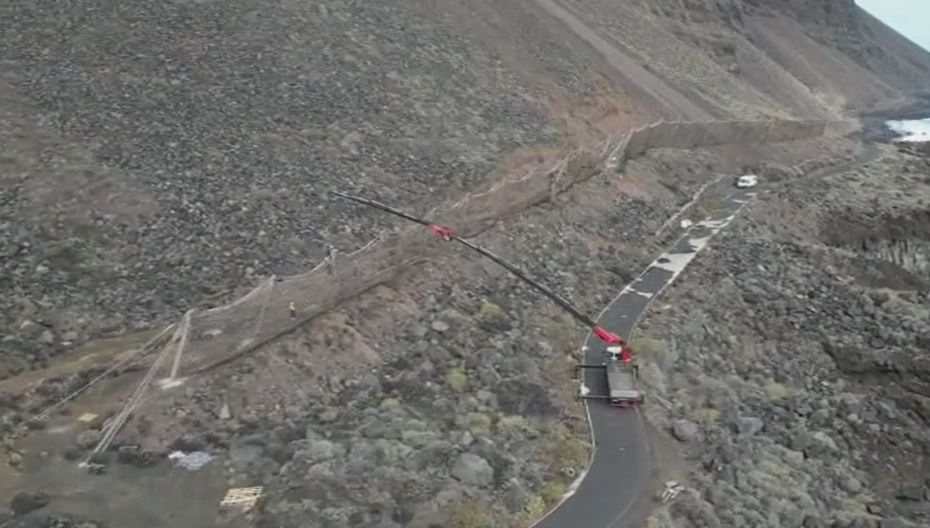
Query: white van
pixel 746 181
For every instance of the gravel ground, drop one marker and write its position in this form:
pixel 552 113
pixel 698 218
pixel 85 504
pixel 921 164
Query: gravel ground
pixel 791 359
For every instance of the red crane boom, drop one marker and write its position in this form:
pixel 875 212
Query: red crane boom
pixel 446 233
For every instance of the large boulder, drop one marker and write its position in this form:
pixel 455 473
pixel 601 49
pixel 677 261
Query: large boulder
pixel 748 425
pixel 25 502
pixel 684 430
pixel 472 469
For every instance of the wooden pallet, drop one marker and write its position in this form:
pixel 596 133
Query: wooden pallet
pixel 242 499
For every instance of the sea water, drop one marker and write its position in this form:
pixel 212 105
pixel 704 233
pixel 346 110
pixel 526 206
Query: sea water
pixel 911 130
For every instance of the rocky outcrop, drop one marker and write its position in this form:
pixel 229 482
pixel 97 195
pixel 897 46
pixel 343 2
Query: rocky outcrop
pixel 900 241
pixel 912 255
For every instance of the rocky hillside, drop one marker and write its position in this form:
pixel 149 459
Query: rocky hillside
pixel 804 53
pixel 792 360
pixel 157 156
pixel 871 44
pixel 444 398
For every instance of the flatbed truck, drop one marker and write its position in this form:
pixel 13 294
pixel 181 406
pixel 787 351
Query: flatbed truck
pixel 622 379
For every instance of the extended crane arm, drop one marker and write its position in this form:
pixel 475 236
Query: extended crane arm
pixel 438 229
pixel 558 299
pixel 446 233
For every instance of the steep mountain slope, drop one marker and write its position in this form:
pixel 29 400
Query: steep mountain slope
pixel 866 40
pixel 832 78
pixel 844 57
pixel 155 156
pixel 211 128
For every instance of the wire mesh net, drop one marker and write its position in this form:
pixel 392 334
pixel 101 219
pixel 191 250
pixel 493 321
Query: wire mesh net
pixel 202 340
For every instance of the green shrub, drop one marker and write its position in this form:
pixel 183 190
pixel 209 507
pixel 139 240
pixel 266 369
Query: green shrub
pixel 565 449
pixel 512 423
pixel 776 391
pixel 479 423
pixel 572 452
pixel 457 378
pixel 707 415
pixel 488 309
pixel 660 519
pixel 470 513
pixel 707 203
pixel 535 506
pixel 560 331
pixel 389 403
pixel 552 491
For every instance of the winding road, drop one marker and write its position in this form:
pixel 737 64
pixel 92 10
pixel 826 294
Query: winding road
pixel 621 468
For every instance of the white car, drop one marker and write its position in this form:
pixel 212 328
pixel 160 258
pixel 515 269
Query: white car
pixel 747 181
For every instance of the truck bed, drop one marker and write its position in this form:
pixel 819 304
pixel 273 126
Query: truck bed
pixel 621 382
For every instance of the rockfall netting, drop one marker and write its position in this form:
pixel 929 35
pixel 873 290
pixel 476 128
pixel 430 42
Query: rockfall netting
pixel 204 339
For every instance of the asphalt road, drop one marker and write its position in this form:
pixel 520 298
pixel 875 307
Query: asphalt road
pixel 621 471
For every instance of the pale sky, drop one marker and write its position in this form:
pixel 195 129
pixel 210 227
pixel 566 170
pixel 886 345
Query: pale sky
pixel 910 17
